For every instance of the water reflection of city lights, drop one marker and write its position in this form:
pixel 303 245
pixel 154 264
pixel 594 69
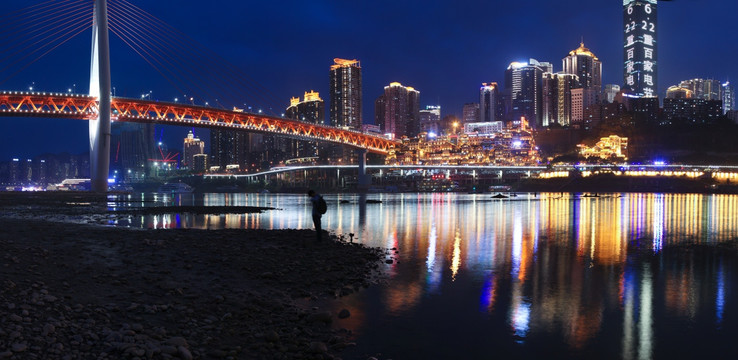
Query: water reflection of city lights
pixel 658 222
pixel 487 300
pixel 520 319
pixel 431 260
pixel 645 318
pixel 720 295
pixel 456 260
pixel 551 263
pixel 517 245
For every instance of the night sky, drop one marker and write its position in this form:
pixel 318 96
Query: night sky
pixel 445 49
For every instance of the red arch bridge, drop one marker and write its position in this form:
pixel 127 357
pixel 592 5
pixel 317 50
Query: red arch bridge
pixel 83 107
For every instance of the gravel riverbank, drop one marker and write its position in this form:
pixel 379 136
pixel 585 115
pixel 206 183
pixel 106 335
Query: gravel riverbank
pixel 76 291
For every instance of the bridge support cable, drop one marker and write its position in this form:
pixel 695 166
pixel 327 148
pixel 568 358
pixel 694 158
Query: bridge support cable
pixel 158 54
pixel 212 61
pixel 221 79
pixel 100 87
pixel 34 18
pixel 202 59
pixel 155 62
pixel 38 37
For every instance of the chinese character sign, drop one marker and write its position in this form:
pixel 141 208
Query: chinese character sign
pixel 639 47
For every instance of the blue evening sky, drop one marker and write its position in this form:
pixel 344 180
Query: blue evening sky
pixel 445 49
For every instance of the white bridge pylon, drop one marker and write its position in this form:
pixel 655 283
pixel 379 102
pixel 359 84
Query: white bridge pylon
pixel 100 87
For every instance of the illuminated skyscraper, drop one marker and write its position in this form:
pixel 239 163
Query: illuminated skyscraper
pixel 430 119
pixel 401 110
pixel 707 89
pixel 586 66
pixel 192 146
pixel 557 98
pixel 488 94
pixel 640 47
pixel 312 110
pixel 345 94
pixel 524 86
pixel 728 97
pixel 229 149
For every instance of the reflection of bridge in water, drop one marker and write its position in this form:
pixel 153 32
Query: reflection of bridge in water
pixel 472 176
pixel 719 171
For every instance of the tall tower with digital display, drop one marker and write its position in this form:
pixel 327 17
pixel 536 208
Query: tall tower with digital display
pixel 640 65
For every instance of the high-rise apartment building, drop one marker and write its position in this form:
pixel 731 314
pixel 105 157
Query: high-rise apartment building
pixel 14 177
pixel 192 146
pixel 611 91
pixel 692 110
pixel 379 109
pixel 345 96
pixel 640 63
pixel 488 97
pixel 581 100
pixel 557 98
pixel 200 163
pixel 228 150
pixel 413 114
pixel 401 105
pixel 470 113
pixel 523 83
pixel 430 119
pixel 707 89
pixel 311 109
pixel 586 66
pixel 728 98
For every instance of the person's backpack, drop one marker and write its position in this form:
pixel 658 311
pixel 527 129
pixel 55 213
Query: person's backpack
pixel 322 206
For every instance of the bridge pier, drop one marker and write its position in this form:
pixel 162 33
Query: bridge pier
pixel 364 180
pixel 100 87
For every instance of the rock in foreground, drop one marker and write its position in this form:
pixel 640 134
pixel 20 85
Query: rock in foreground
pixel 79 291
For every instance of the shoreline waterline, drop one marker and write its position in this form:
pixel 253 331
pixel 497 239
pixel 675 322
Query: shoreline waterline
pixel 111 292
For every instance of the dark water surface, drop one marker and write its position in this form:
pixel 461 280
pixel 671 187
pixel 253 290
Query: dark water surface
pixel 631 276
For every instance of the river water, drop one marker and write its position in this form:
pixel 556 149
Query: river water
pixel 616 276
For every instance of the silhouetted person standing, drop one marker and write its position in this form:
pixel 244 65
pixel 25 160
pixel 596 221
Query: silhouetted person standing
pixel 318 211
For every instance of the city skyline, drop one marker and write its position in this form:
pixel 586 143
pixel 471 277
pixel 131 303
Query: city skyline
pixel 453 50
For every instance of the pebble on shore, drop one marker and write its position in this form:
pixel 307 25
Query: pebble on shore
pixel 82 291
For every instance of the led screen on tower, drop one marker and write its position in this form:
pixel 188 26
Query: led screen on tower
pixel 639 47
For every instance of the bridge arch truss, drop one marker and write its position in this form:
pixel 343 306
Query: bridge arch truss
pixel 83 107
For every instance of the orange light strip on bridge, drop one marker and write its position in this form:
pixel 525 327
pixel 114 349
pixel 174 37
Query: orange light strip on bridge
pixel 133 110
pixel 181 114
pixel 55 105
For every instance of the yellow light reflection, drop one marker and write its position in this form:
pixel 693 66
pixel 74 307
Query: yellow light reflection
pixel 456 260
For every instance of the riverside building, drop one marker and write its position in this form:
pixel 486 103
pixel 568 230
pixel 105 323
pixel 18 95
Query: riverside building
pixel 345 94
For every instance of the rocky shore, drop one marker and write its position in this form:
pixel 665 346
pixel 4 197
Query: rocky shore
pixel 77 291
